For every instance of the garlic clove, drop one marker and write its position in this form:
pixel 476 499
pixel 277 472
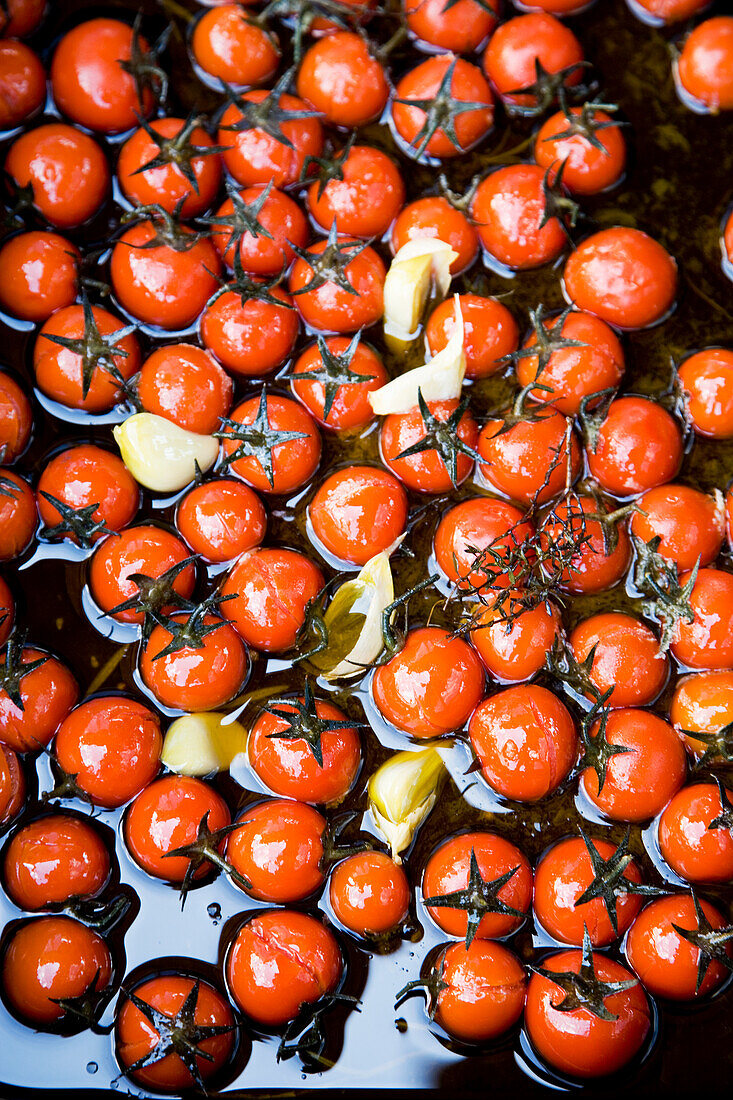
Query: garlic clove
pixel 160 455
pixel 419 263
pixel 402 792
pixel 199 744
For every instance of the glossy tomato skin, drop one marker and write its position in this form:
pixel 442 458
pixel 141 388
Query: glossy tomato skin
pixel 690 524
pixel 144 549
pixel 594 567
pixel 431 686
pixel 526 742
pixel 577 1042
pixel 254 156
pixel 112 745
pixel 59 369
pixel 623 276
pixel 52 958
pixel 665 962
pixel 692 849
pixel 640 782
pixel 358 512
pixel 250 338
pixel 660 12
pixel 479 523
pixel 366 201
pixel 166 185
pixel 514 652
pixel 702 703
pixel 184 384
pixel 272 587
pixel 509 60
pixel 48 693
pixel 329 308
pixel 369 893
pixel 84 475
pixel 233 50
pixel 639 446
pixel 485 993
pixel 279 216
pixel 447 871
pixel 221 519
pixel 294 461
pixel 278 848
pixel 588 169
pixel 462 28
pixel 707 642
pixel 350 409
pixel 289 767
pixel 16 420
pixel 423 83
pixel 489 332
pixel 195 677
pixel 53 859
pixel 509 209
pixel 707 379
pixel 159 285
pixel 425 472
pixel 67 170
pixel 704 65
pixel 342 80
pixel 7 612
pixel 166 815
pixel 39 274
pixel 563 874
pixel 89 84
pixel 137 1037
pixel 279 961
pixel 18 516
pixel 530 458
pixel 21 17
pixel 12 785
pixel 433 216
pixel 626 658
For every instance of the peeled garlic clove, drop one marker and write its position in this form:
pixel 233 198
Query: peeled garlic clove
pixel 199 744
pixel 440 379
pixel 354 620
pixel 407 286
pixel 160 455
pixel 402 793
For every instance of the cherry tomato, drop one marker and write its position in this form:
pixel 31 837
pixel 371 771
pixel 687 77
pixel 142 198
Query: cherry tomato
pixel 707 642
pixel 489 332
pixel 364 199
pixel 369 893
pixel 21 17
pixel 577 1041
pixel 280 223
pixel 694 847
pixel 221 519
pixel 194 666
pixel 345 83
pixel 7 612
pixel 289 457
pixel 573 139
pixel 87 476
pixel 525 739
pixel 358 512
pixel 166 184
pixel 350 408
pixel 328 307
pixel 461 28
pixel 51 959
pixel 22 83
pixel 185 384
pixel 528 459
pixel 638 446
pixel 146 549
pixel 484 992
pixel 705 66
pixel 427 470
pixel 12 785
pixel 623 276
pixel 727 245
pixel 515 650
pixel 18 515
pixel 689 523
pixel 48 691
pixel 272 587
pixel 597 564
pixel 288 765
pixel 563 875
pixel 111 745
pixel 166 815
pixel 88 82
pixel 250 335
pixel 510 209
pixel 626 658
pixel 160 284
pixel 53 859
pixel 661 12
pixel 433 216
pixel 450 80
pixel 279 961
pixel 60 370
pixel 475 527
pixel 573 373
pixel 254 155
pixel 448 872
pixel 38 274
pixel 278 847
pixel 16 418
pixel 637 783
pixel 431 686
pixel 511 57
pixel 707 379
pixel 66 169
pixel 231 49
pixel 666 962
pixel 702 703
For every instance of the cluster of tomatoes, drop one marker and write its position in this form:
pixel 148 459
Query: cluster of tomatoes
pixel 241 256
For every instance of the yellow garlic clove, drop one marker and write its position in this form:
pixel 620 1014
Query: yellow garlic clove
pixel 402 793
pixel 160 455
pixel 198 744
pixel 418 264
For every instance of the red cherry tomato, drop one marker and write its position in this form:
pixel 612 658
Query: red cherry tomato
pixel 638 446
pixel 350 408
pixel 566 139
pixel 111 745
pixel 426 82
pixel 433 216
pixel 514 651
pixel 707 379
pixel 626 658
pixel 12 785
pixel 343 80
pixel 184 384
pixel 690 524
pixel 279 961
pixel 427 471
pixel 484 993
pixel 255 156
pixel 54 859
pixel 369 893
pixel 292 452
pixel 22 83
pixel 702 703
pixel 166 185
pixel 16 419
pixel 146 549
pixel 694 849
pixel 511 57
pixel 525 739
pixel 268 250
pixel 278 847
pixel 461 28
pixel 48 692
pixel 666 962
pixel 365 200
pixel 38 274
pixel 597 565
pixel 232 49
pixel 204 668
pixel 489 332
pixel 250 336
pixel 272 587
pixel 67 170
pixel 83 476
pixel 705 66
pixel 510 211
pixel 221 519
pixel 707 642
pixel 528 459
pixel 21 17
pixel 358 512
pixel 7 612
pixel 18 517
pixel 661 12
pixel 492 527
pixel 328 307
